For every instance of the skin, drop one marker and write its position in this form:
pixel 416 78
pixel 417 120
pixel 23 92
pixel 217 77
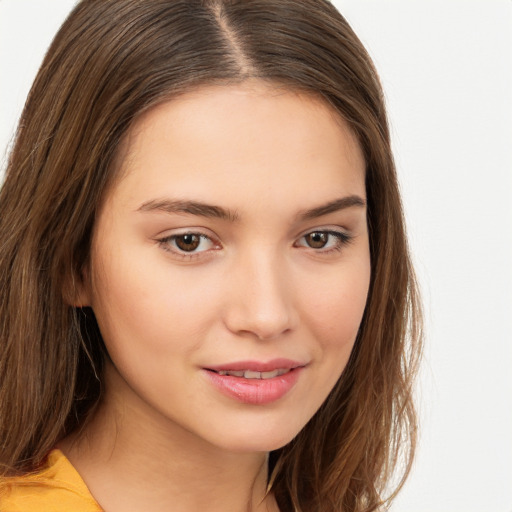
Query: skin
pixel 253 289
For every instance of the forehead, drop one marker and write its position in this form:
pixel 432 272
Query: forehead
pixel 251 139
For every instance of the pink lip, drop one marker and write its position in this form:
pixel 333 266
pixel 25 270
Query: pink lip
pixel 257 366
pixel 255 391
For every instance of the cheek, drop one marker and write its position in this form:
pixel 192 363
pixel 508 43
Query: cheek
pixel 336 308
pixel 332 314
pixel 151 305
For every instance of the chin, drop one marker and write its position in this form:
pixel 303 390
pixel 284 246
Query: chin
pixel 261 438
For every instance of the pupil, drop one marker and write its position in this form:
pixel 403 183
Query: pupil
pixel 317 240
pixel 188 242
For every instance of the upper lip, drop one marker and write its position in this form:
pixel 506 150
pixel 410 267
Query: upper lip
pixel 258 366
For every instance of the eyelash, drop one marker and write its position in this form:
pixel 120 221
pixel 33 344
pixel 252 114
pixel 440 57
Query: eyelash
pixel 167 244
pixel 342 240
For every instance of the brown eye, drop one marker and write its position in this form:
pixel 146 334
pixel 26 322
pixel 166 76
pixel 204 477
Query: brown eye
pixel 324 241
pixel 188 242
pixel 317 239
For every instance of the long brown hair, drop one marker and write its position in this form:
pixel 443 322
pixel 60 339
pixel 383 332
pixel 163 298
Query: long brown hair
pixel 112 60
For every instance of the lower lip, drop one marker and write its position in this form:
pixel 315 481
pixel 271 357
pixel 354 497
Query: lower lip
pixel 255 391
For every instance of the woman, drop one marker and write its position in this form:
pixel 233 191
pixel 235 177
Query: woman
pixel 207 300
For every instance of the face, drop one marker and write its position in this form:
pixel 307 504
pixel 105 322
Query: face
pixel 230 264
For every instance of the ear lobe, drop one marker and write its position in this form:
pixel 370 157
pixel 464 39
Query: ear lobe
pixel 75 290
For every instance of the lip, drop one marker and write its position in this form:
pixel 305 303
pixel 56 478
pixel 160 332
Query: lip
pixel 255 391
pixel 258 366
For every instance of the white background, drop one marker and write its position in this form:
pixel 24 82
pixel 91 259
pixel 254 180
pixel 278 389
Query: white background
pixel 446 66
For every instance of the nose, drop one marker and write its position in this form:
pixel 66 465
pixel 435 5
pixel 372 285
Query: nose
pixel 260 300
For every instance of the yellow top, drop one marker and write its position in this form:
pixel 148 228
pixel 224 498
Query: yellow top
pixel 57 487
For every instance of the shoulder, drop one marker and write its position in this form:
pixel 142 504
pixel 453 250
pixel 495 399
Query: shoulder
pixel 56 487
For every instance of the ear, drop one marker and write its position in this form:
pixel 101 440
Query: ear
pixel 76 289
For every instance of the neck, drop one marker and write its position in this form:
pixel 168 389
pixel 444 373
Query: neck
pixel 131 461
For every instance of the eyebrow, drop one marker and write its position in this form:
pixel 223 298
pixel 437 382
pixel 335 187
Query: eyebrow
pixel 332 206
pixel 208 210
pixel 190 207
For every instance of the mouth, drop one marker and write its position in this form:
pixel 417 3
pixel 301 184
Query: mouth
pixel 258 370
pixel 256 383
pixel 251 374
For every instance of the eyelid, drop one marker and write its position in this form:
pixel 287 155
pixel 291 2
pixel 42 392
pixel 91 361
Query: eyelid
pixel 342 236
pixel 164 242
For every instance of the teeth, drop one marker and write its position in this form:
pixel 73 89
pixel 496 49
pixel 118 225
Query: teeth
pixel 249 374
pixel 232 373
pixel 269 375
pixel 236 373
